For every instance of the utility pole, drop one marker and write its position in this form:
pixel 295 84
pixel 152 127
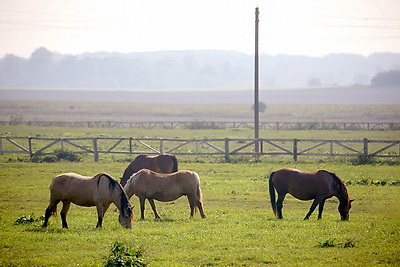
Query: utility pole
pixel 256 91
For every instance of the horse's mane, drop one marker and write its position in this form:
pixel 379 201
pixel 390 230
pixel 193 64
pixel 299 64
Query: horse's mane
pixel 342 188
pixel 112 182
pixel 130 180
pixel 112 185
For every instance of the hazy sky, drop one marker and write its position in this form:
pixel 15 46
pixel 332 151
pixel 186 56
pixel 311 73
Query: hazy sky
pixel 306 27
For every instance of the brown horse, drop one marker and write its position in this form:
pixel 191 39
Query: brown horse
pixel 100 191
pixel 147 184
pixel 163 163
pixel 319 185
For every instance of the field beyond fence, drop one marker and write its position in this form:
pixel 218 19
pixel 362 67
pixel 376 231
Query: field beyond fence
pixel 343 126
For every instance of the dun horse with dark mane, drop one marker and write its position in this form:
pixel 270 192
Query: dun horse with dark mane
pixel 147 184
pixel 163 163
pixel 319 185
pixel 100 191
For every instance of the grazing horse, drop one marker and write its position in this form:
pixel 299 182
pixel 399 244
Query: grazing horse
pixel 319 185
pixel 165 187
pixel 163 163
pixel 100 191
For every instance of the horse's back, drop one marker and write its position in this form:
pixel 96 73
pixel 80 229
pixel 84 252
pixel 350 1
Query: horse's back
pixel 167 163
pixel 69 178
pixel 182 181
pixel 73 187
pixel 175 177
pixel 289 176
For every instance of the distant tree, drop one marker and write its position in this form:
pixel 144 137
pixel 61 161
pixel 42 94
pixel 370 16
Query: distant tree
pixel 261 106
pixel 40 67
pixel 386 79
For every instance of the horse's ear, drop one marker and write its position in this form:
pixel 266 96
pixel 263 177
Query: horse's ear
pixel 351 200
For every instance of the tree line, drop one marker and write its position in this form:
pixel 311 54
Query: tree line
pixel 194 70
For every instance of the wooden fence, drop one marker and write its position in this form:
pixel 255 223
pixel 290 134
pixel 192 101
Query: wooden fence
pixel 226 147
pixel 369 126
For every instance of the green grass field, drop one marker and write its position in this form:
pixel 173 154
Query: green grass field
pixel 240 229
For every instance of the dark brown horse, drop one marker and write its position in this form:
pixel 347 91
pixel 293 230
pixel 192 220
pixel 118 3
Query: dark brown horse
pixel 319 185
pixel 163 163
pixel 100 191
pixel 165 187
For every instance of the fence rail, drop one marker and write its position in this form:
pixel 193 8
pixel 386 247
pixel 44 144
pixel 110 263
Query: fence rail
pixel 369 126
pixel 226 147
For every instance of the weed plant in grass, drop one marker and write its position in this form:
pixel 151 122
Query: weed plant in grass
pixel 240 228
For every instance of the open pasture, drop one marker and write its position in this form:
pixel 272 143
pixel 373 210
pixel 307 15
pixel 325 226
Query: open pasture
pixel 240 229
pixel 139 112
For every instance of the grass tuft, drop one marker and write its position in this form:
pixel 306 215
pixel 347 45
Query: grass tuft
pixel 123 255
pixel 29 219
pixel 329 243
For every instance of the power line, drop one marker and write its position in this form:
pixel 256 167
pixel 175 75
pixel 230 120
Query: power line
pixel 366 18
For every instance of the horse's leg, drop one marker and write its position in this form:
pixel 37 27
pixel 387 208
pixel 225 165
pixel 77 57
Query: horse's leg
pixel 192 205
pixel 194 201
pixel 101 210
pixel 50 210
pixel 321 209
pixel 63 213
pixel 279 205
pixel 153 206
pixel 142 206
pixel 315 203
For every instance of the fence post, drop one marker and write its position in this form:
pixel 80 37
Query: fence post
pixel 227 158
pixel 95 150
pixel 30 147
pixel 295 149
pixel 161 145
pixel 365 148
pixel 1 145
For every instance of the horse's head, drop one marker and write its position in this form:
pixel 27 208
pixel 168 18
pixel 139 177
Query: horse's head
pixel 344 209
pixel 126 216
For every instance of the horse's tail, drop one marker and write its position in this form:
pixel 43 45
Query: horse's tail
pixel 272 193
pixel 175 163
pixel 199 194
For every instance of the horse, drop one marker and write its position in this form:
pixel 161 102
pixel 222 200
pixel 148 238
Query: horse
pixel 165 187
pixel 319 185
pixel 162 163
pixel 100 190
